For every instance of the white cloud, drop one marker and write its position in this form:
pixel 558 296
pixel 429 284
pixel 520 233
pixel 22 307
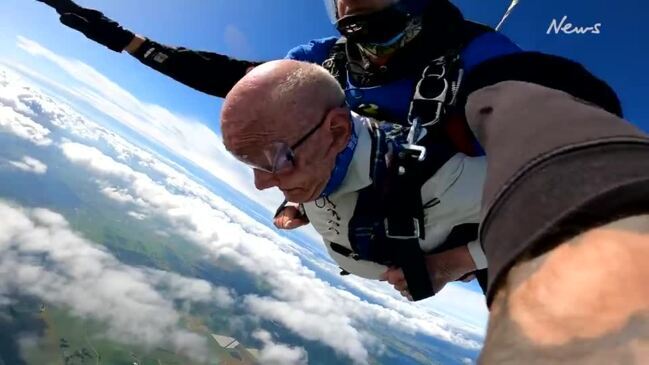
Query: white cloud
pixel 30 164
pixel 95 160
pixel 453 301
pixel 279 354
pixel 32 109
pixel 41 256
pixel 185 137
pixel 319 323
pixel 23 127
pixel 195 212
pixel 119 195
pixel 136 215
pixel 301 302
pixel 193 290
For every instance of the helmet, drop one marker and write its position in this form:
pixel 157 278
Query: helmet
pixel 381 27
pixel 410 6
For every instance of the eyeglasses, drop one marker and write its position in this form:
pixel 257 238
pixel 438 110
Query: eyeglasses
pixel 279 156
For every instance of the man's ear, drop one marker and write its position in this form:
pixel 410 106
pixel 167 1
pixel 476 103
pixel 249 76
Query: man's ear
pixel 340 127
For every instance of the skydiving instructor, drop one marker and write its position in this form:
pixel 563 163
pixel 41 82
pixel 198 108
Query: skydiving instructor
pixel 565 206
pixel 396 60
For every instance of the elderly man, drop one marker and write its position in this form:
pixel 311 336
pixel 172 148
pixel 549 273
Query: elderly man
pixel 565 208
pixel 288 121
pixel 388 55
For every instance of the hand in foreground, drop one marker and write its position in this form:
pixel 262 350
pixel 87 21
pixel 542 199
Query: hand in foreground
pixel 443 268
pixel 290 217
pixel 92 23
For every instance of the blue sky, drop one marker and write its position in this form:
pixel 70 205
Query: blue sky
pixel 262 29
pixel 267 29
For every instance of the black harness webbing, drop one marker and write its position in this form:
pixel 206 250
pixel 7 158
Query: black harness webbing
pixel 387 223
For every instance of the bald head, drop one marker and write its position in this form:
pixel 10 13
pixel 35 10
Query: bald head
pixel 287 111
pixel 277 99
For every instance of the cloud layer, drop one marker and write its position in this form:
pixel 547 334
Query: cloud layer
pixel 183 136
pixel 41 256
pixel 149 186
pixel 273 353
pixel 30 164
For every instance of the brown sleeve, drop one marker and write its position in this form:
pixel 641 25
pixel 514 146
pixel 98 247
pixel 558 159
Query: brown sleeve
pixel 557 166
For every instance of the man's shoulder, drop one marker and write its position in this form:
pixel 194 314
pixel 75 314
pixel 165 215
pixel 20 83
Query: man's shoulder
pixel 547 70
pixel 316 51
pixel 486 46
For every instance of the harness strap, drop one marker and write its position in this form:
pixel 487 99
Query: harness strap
pixel 404 227
pixel 369 212
pixel 342 250
pixel 387 223
pixel 336 64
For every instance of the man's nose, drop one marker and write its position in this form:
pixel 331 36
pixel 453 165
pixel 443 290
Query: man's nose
pixel 264 180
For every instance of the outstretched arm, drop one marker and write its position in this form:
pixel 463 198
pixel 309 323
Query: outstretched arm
pixel 208 72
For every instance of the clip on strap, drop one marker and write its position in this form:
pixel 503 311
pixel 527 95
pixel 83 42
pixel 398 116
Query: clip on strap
pixel 403 233
pixel 411 148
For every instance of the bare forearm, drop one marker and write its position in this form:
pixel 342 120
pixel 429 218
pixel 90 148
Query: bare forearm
pixel 584 302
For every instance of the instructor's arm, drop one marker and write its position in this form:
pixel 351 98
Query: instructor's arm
pixel 208 72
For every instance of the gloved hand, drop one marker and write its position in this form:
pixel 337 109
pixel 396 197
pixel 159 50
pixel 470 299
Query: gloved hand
pixel 92 23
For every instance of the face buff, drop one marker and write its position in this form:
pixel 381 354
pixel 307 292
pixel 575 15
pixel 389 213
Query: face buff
pixel 379 50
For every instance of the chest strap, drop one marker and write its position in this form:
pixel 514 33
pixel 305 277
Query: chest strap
pixel 387 223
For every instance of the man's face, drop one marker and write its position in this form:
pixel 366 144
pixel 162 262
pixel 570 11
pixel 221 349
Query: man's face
pixel 306 176
pixel 308 173
pixel 348 7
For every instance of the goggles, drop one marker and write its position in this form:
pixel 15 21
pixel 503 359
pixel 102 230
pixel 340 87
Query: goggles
pixel 377 50
pixel 377 27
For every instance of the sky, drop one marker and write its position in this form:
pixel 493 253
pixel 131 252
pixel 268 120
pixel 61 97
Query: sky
pixel 264 30
pixel 160 112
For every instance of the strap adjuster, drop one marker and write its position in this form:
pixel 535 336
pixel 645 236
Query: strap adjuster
pixel 415 231
pixel 415 151
pixel 344 251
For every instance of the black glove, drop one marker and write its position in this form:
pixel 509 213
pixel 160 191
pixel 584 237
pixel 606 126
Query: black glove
pixel 92 23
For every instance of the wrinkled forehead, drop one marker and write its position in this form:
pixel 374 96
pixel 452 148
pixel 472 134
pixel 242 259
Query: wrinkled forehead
pixel 252 119
pixel 251 137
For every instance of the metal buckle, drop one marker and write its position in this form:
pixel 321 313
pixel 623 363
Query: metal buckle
pixel 411 147
pixel 416 151
pixel 415 234
pixel 440 98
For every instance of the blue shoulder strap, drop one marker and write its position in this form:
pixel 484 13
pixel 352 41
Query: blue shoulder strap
pixel 485 47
